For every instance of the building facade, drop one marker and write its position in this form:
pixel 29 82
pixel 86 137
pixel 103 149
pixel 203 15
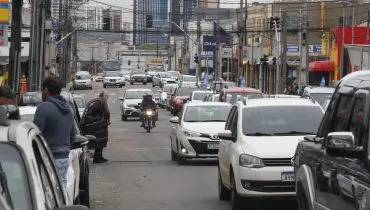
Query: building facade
pixel 158 9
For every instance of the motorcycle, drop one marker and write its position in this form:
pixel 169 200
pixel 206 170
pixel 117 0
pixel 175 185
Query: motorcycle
pixel 148 119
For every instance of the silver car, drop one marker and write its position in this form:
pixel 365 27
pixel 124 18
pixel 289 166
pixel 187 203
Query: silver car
pixel 163 78
pixel 82 80
pixel 130 102
pixel 138 76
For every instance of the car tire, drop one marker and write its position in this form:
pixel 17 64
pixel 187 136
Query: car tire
pixel 120 86
pixel 84 195
pixel 144 83
pixel 173 153
pixel 91 88
pixel 179 159
pixel 167 108
pixel 104 86
pixel 236 201
pixel 224 194
pixel 302 198
pixel 153 84
pixel 131 83
pixel 124 117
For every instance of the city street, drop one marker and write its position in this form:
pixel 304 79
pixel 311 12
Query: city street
pixel 140 174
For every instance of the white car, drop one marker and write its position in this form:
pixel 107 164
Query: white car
pixel 188 80
pixel 194 132
pixel 162 78
pixel 165 91
pixel 80 102
pixel 320 94
pixel 259 141
pixel 130 102
pixel 198 95
pixel 27 113
pixel 113 78
pixel 81 80
pixel 99 77
pixel 212 97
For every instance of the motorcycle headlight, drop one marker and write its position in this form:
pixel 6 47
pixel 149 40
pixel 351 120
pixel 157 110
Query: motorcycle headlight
pixel 250 161
pixel 191 134
pixel 149 112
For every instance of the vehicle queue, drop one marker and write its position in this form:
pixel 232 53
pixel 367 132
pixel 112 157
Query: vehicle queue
pixel 252 135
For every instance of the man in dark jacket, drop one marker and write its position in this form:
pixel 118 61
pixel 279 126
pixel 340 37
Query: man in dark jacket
pixel 55 120
pixel 146 104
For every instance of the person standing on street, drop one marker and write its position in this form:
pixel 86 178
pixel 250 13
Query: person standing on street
pixel 103 96
pixel 55 120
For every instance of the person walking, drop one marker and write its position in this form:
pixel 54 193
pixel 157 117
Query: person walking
pixel 55 120
pixel 103 96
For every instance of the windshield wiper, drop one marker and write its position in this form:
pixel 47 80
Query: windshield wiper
pixel 295 132
pixel 259 134
pixel 4 186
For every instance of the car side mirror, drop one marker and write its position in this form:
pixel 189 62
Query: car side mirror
pixel 75 207
pixel 226 135
pixel 175 120
pixel 342 144
pixel 121 98
pixel 79 142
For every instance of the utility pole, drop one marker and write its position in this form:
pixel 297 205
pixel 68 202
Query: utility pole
pixel 245 41
pixel 260 78
pixel 108 49
pixel 306 43
pixel 217 51
pixel 368 25
pixel 169 48
pixel 241 29
pixel 157 43
pixel 284 26
pixel 303 46
pixel 199 47
pixel 75 56
pixel 93 58
pixel 15 45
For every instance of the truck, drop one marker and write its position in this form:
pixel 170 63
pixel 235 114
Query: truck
pixel 332 168
pixel 355 58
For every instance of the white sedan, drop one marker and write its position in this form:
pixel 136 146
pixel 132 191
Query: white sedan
pixel 194 132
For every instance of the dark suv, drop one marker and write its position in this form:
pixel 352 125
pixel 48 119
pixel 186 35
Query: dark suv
pixel 332 169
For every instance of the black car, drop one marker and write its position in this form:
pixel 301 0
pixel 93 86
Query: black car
pixel 138 76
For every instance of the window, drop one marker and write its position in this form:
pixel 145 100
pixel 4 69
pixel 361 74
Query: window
pixel 356 122
pixel 93 113
pixel 340 119
pixel 46 182
pixel 206 113
pixel 234 124
pixel 230 118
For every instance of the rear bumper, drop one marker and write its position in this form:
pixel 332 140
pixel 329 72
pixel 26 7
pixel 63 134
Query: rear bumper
pixel 114 83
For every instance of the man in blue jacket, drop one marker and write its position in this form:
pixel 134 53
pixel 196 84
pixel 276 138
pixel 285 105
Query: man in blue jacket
pixel 54 118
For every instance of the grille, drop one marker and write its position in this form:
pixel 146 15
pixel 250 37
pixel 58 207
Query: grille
pixel 201 147
pixel 277 162
pixel 137 107
pixel 269 186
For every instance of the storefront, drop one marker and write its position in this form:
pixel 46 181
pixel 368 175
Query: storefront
pixel 319 70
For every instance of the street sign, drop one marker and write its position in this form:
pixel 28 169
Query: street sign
pixel 292 48
pixel 226 52
pixel 206 57
pixel 209 43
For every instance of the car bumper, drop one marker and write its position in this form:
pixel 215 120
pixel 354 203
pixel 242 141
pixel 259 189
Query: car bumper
pixel 82 85
pixel 99 79
pixel 114 83
pixel 198 147
pixel 138 80
pixel 263 182
pixel 131 112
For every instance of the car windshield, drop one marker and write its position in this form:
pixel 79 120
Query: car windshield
pixel 234 97
pixel 80 102
pixel 199 95
pixel 206 113
pixel 321 97
pixel 113 74
pixel 138 72
pixel 27 117
pixel 174 74
pixel 100 74
pixel 185 91
pixel 165 75
pixel 167 88
pixel 83 76
pixel 16 185
pixel 281 120
pixel 136 94
pixel 189 79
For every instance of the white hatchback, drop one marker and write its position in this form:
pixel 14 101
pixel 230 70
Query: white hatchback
pixel 259 142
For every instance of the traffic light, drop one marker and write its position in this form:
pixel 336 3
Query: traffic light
pixel 196 59
pixel 272 22
pixel 264 59
pixel 149 21
pixel 129 62
pixel 106 22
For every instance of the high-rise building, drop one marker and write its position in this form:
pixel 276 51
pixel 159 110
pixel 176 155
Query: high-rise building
pixel 175 16
pixel 158 11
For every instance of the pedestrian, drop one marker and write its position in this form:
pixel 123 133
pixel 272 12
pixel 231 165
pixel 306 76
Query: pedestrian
pixel 55 120
pixel 9 97
pixel 103 96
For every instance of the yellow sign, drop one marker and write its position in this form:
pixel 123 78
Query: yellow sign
pixel 155 61
pixel 4 12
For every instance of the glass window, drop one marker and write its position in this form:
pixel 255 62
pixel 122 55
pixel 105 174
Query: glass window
pixel 234 97
pixel 189 79
pixel 17 186
pixel 185 91
pixel 83 76
pixel 206 113
pixel 321 97
pixel 136 94
pixel 79 102
pixel 28 117
pixel 357 119
pixel 275 120
pixel 167 88
pixel 234 124
pixel 113 74
pixel 199 95
pixel 340 119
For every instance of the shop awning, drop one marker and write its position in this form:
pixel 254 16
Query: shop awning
pixel 320 66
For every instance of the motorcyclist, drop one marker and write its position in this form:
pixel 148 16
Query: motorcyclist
pixel 146 104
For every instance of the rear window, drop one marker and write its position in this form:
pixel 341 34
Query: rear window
pixel 199 95
pixel 185 91
pixel 234 97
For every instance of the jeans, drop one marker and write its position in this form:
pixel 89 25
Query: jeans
pixel 62 166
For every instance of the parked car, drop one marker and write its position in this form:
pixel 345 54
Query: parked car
pixel 255 153
pixel 113 78
pixel 165 91
pixel 28 168
pixel 99 77
pixel 138 76
pixel 162 78
pixel 332 166
pixel 320 94
pixel 180 96
pixel 80 102
pixel 130 102
pixel 82 80
pixel 194 132
pixel 231 95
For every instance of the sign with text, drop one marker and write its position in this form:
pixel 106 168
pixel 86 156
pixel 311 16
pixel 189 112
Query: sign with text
pixel 294 48
pixel 209 43
pixel 4 12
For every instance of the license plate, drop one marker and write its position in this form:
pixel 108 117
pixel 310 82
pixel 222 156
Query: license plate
pixel 212 146
pixel 287 177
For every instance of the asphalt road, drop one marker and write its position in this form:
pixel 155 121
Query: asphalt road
pixel 141 176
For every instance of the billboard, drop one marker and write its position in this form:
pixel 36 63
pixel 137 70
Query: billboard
pixel 4 12
pixel 209 43
pixel 3 35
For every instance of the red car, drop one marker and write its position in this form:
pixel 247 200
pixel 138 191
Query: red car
pixel 179 97
pixel 231 95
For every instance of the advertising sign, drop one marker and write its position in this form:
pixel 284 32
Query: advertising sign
pixel 209 43
pixel 3 35
pixel 4 12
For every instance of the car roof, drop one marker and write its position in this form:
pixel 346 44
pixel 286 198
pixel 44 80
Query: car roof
pixel 241 90
pixel 188 75
pixel 202 91
pixel 82 72
pixel 261 102
pixel 320 89
pixel 139 89
pixel 208 103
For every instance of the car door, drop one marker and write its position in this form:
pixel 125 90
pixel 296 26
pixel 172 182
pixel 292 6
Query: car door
pixel 94 123
pixel 224 162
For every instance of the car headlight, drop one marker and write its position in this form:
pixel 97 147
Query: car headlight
pixel 191 134
pixel 149 112
pixel 250 161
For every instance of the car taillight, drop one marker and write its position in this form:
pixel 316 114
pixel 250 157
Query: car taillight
pixel 179 101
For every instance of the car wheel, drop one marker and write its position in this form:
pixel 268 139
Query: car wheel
pixel 104 86
pixel 144 83
pixel 302 198
pixel 84 195
pixel 167 108
pixel 153 84
pixel 236 201
pixel 223 193
pixel 120 86
pixel 91 88
pixel 131 83
pixel 173 154
pixel 179 159
pixel 124 117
